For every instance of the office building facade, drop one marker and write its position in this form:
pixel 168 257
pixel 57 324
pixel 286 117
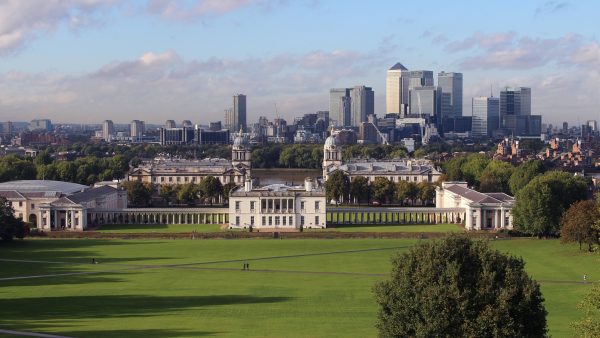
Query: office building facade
pixel 486 116
pixel 108 130
pixel 452 88
pixel 137 129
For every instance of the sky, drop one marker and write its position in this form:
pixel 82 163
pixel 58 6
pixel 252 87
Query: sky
pixel 84 61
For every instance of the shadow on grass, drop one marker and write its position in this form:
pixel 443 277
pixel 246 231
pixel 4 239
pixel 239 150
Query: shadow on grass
pixel 12 311
pixel 148 333
pixel 55 257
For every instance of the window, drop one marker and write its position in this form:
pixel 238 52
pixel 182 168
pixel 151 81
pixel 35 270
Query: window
pixel 178 179
pixel 252 205
pixel 415 178
pixel 264 220
pixel 251 220
pixel 276 220
pixel 291 220
pixel 162 179
pixel 153 179
pixel 237 220
pixel 317 205
pixel 170 179
pixel 185 178
pixel 194 179
pixel 302 205
pixel 32 206
pixel 316 220
pixel 283 219
pixel 237 205
pixel 291 204
pixel 20 203
pixel 263 204
pixel 270 220
pixel 301 220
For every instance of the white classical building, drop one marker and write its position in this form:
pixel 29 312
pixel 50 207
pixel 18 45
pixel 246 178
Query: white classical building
pixel 278 206
pixel 483 211
pixel 54 205
pixel 406 169
pixel 169 171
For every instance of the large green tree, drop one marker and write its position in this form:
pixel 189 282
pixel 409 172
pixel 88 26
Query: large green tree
pixel 495 177
pixel 383 190
pixel 337 186
pixel 187 193
pixel 426 192
pixel 540 204
pixel 525 173
pixel 211 188
pixel 360 190
pixel 457 287
pixel 10 226
pixel 138 194
pixel 579 224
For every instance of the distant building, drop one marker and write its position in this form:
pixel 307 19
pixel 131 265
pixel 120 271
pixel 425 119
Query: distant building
pixel 340 106
pixel 451 84
pixel 108 130
pixel 136 129
pixel 170 124
pixel 212 136
pixel 40 125
pixel 425 100
pixel 215 126
pixel 187 124
pixel 396 90
pixel 395 170
pixel 278 206
pixel 351 106
pixel 486 116
pixel 176 136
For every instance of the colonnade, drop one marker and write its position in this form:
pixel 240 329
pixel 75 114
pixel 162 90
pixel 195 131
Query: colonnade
pixel 160 216
pixel 369 216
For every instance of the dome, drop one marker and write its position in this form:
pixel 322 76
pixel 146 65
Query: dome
pixel 331 141
pixel 239 142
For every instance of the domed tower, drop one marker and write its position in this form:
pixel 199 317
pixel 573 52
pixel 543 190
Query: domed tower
pixel 240 152
pixel 332 154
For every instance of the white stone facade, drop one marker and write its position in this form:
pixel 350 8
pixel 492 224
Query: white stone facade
pixel 483 211
pixel 277 206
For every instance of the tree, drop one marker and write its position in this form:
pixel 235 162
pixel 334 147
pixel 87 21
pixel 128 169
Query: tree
pixel 412 192
pixel 401 191
pixel 359 189
pixel 495 177
pixel 473 168
pixel 452 168
pixel 337 186
pixel 227 188
pixel 211 188
pixel 459 288
pixel 167 192
pixel 138 193
pixel 578 224
pixel 523 174
pixel 10 226
pixel 540 204
pixel 187 193
pixel 426 192
pixel 589 326
pixel 383 189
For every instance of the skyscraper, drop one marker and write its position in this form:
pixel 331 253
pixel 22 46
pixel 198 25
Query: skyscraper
pixel 514 102
pixel 418 79
pixel 170 124
pixel 396 89
pixel 340 106
pixel 136 129
pixel 452 84
pixel 239 112
pixel 486 116
pixel 108 130
pixel 425 100
pixel 363 104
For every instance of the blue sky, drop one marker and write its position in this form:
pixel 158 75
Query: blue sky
pixel 90 60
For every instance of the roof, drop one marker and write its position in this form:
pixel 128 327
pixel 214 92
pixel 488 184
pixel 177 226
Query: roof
pixel 398 66
pixel 279 189
pixel 393 167
pixel 209 166
pixel 92 194
pixel 42 186
pixel 481 198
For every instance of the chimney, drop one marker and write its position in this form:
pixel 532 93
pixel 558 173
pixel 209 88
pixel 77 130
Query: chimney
pixel 308 184
pixel 248 184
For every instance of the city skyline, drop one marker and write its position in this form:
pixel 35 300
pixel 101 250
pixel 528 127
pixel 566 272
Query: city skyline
pixel 87 61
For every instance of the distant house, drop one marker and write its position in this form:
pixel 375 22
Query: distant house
pixel 483 211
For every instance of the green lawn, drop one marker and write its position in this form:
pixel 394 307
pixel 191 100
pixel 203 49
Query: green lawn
pixel 158 228
pixel 193 288
pixel 398 228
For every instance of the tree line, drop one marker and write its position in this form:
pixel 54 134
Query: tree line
pixel 209 191
pixel 340 189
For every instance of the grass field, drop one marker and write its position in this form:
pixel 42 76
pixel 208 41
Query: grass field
pixel 194 288
pixel 158 228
